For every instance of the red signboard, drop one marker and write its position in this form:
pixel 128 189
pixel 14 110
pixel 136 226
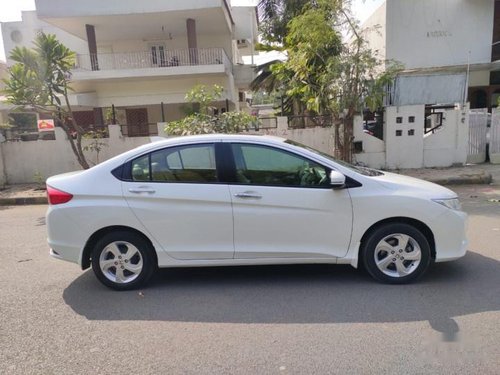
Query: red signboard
pixel 45 125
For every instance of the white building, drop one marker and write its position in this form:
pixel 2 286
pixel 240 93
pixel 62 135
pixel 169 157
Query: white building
pixel 137 59
pixel 450 50
pixel 3 73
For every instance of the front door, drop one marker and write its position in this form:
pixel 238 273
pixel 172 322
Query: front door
pixel 176 194
pixel 158 54
pixel 284 207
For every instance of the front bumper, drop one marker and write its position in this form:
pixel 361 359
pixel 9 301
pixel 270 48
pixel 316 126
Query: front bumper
pixel 450 235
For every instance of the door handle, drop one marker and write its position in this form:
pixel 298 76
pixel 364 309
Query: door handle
pixel 248 195
pixel 142 189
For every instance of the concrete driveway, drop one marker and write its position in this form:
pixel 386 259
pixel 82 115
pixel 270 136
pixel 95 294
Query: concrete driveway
pixel 250 320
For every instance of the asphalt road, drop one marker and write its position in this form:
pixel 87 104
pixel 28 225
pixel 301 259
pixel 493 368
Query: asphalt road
pixel 55 319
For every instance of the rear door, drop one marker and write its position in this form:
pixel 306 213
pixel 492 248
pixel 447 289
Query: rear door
pixel 284 207
pixel 176 194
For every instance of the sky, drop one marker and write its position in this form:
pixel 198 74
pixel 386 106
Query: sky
pixel 10 10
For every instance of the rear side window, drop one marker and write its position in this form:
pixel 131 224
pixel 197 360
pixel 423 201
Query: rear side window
pixel 191 163
pixel 140 169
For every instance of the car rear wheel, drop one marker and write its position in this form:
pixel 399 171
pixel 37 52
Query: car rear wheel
pixel 396 254
pixel 123 260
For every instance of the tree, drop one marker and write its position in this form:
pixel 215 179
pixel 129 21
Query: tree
pixel 274 16
pixel 203 119
pixel 330 68
pixel 40 80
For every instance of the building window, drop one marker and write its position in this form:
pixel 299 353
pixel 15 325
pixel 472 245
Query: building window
pixel 399 120
pixel 399 133
pixel 411 132
pixel 411 119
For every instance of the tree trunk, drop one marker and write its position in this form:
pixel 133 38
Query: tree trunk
pixel 348 137
pixel 77 148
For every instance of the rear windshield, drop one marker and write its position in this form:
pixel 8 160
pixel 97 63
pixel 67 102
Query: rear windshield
pixel 358 169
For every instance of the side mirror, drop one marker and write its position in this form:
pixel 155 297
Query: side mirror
pixel 337 179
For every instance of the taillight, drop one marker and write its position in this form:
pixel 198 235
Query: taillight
pixel 57 196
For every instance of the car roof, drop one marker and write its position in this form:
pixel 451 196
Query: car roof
pixel 210 138
pixel 179 140
pixel 216 137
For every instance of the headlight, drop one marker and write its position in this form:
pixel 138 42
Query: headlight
pixel 452 204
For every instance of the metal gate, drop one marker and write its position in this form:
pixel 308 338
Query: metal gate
pixel 478 122
pixel 493 136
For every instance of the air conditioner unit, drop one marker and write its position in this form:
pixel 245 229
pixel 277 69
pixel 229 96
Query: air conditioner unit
pixel 242 43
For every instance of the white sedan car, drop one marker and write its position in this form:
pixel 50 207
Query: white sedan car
pixel 228 200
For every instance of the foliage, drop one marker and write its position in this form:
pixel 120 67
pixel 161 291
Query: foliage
pixel 108 116
pixel 39 180
pixel 204 97
pixel 204 120
pixel 6 126
pixel 40 80
pixel 274 17
pixel 263 97
pixel 95 142
pixel 330 69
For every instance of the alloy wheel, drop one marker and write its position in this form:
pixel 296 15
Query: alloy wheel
pixel 121 262
pixel 397 255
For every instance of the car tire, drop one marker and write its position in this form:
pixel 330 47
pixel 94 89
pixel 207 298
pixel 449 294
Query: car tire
pixel 123 260
pixel 396 254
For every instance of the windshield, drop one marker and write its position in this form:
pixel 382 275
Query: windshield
pixel 356 168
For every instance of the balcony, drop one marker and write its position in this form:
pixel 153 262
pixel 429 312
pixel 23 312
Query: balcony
pixel 152 63
pixel 127 19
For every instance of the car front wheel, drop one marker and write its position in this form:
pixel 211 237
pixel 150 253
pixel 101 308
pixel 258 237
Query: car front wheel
pixel 396 254
pixel 123 260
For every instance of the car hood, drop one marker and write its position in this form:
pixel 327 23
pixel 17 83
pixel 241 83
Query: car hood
pixel 402 183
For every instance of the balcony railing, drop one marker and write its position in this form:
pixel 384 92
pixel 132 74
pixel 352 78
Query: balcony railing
pixel 157 59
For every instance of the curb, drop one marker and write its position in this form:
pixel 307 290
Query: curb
pixel 478 179
pixel 22 201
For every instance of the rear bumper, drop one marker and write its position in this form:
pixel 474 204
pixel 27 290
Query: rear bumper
pixel 64 236
pixel 63 252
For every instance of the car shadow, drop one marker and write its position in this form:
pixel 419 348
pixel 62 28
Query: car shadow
pixel 296 294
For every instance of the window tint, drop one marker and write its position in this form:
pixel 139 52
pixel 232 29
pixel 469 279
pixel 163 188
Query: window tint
pixel 192 163
pixel 140 169
pixel 361 170
pixel 261 165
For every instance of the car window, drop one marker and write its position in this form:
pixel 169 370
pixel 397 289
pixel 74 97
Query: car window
pixel 356 168
pixel 262 165
pixel 190 163
pixel 140 169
